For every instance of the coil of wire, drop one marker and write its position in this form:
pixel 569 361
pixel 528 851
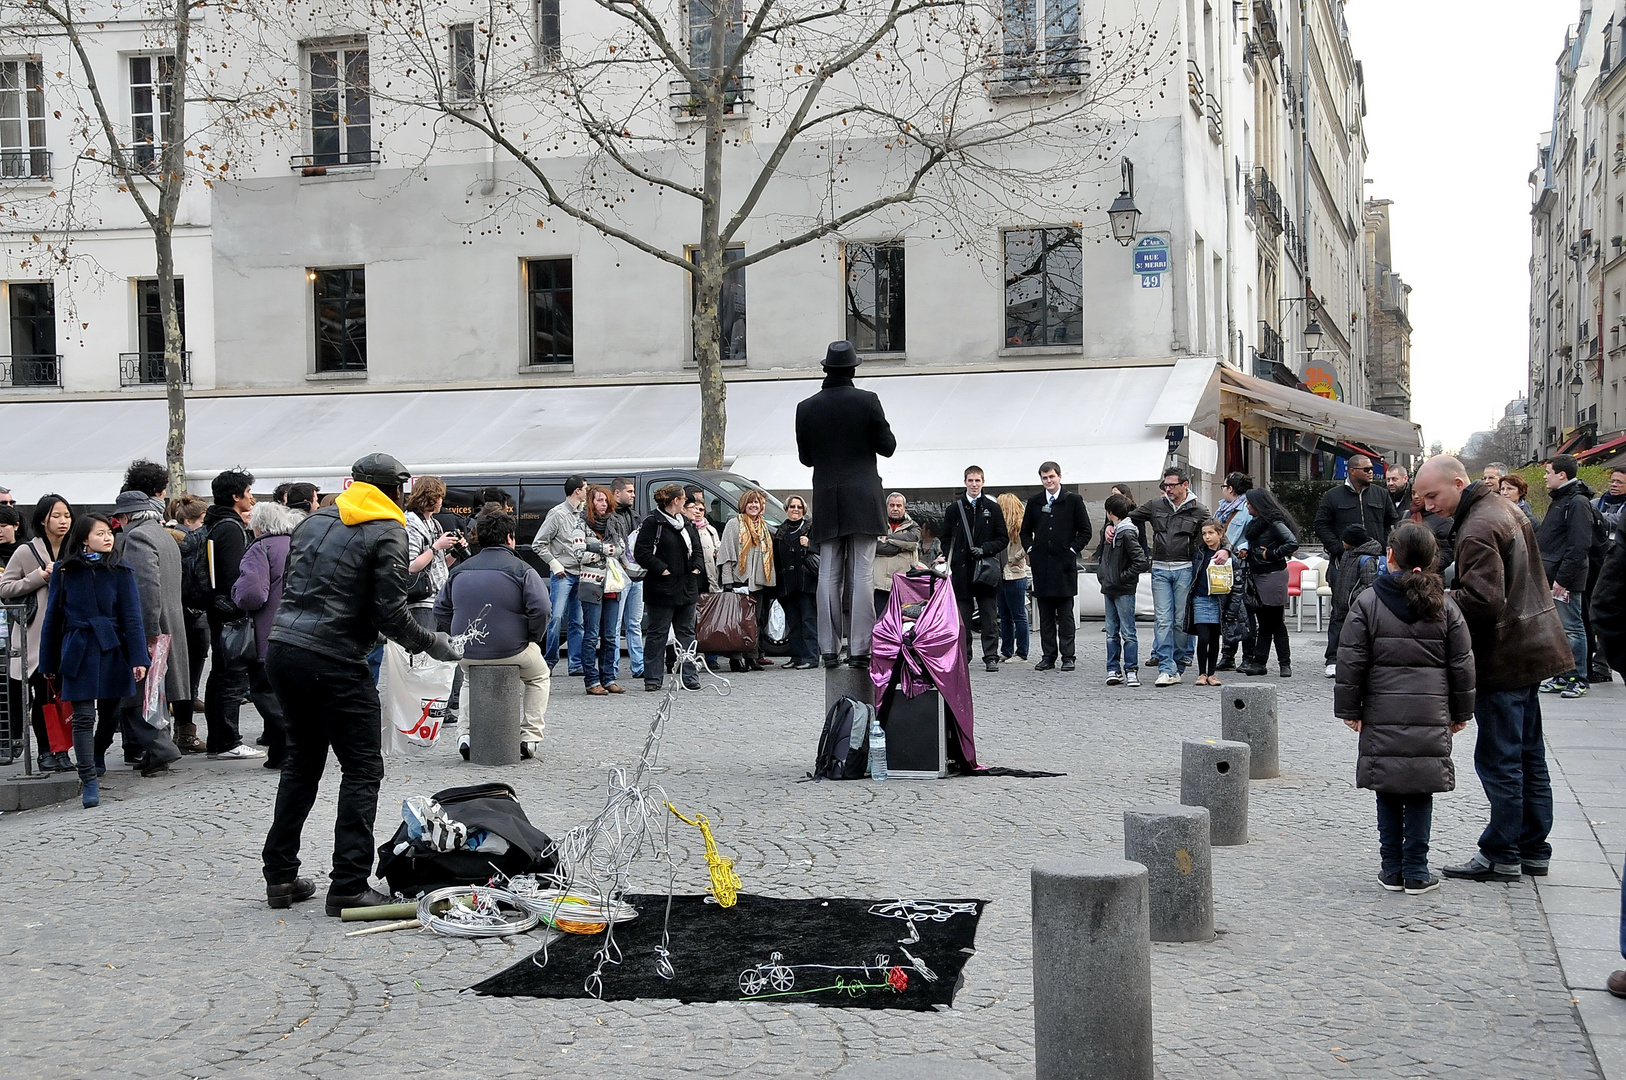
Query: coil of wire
pixel 476 911
pixel 577 914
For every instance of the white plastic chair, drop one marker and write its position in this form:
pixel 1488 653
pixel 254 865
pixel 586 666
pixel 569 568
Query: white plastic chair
pixel 1315 568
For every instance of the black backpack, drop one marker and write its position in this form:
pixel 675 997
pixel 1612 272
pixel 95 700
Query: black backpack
pixel 196 592
pixel 411 868
pixel 844 744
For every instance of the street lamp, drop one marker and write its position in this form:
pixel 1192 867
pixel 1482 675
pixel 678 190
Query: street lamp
pixel 1312 335
pixel 1123 213
pixel 1576 386
pixel 1312 326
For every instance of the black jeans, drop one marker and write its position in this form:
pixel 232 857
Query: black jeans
pixel 1403 826
pixel 660 620
pixel 84 733
pixel 1335 622
pixel 269 706
pixel 1272 626
pixel 801 621
pixel 327 702
pixel 1057 628
pixel 197 649
pixel 1208 645
pixel 1511 761
pixel 223 697
pixel 988 626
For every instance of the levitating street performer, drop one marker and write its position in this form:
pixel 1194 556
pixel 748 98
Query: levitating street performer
pixel 345 584
pixel 839 432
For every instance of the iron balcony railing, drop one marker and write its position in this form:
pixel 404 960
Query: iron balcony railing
pixel 1194 84
pixel 145 369
pixel 736 98
pixel 1264 22
pixel 31 369
pixel 1270 343
pixel 1216 118
pixel 25 164
pixel 315 164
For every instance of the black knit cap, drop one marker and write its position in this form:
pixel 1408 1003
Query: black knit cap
pixel 1355 536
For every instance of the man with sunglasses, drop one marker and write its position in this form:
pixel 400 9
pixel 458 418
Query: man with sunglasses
pixel 1174 521
pixel 1357 501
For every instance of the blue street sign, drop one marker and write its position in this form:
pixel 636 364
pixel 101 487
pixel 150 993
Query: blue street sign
pixel 1152 256
pixel 1151 281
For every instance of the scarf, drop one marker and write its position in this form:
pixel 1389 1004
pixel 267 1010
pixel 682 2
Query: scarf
pixel 1228 506
pixel 754 534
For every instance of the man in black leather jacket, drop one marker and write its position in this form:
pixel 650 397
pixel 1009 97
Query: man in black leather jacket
pixel 345 583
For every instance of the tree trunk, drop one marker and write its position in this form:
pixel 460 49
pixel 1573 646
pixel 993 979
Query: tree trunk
pixel 174 370
pixel 709 281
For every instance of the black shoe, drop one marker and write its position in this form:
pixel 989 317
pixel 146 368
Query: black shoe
pixel 152 766
pixel 1599 674
pixel 751 664
pixel 1250 668
pixel 1226 665
pixel 1044 665
pixel 1535 868
pixel 859 662
pixel 262 741
pixel 368 897
pixel 1287 671
pixel 1067 665
pixel 735 665
pixel 269 764
pixel 830 660
pixel 990 665
pixel 692 683
pixel 1480 868
pixel 1392 882
pixel 290 893
pixel 1418 886
pixel 649 687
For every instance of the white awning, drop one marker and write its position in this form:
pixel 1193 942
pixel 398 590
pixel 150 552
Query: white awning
pixel 1103 425
pixel 1270 404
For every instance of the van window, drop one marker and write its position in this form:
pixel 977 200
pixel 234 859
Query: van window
pixel 722 498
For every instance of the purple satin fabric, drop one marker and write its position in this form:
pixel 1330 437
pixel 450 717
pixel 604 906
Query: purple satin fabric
pixel 930 654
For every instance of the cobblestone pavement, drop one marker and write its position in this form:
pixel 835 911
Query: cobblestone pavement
pixel 134 939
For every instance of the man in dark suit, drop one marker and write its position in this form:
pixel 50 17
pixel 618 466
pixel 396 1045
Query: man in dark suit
pixel 987 537
pixel 1055 529
pixel 839 432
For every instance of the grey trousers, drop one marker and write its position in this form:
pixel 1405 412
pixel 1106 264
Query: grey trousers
pixel 846 594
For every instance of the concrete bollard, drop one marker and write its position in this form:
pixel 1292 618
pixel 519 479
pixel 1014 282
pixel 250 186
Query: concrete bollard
pixel 1172 843
pixel 844 681
pixel 1214 773
pixel 496 708
pixel 1092 970
pixel 1248 714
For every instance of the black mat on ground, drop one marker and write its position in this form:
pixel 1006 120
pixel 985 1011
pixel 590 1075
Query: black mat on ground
pixel 835 952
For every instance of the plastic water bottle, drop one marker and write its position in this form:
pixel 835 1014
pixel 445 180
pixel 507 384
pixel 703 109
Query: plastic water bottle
pixel 877 749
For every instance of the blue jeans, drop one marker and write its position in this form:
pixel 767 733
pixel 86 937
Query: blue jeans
pixel 1121 641
pixel 632 621
pixel 562 595
pixel 1512 766
pixel 1172 649
pixel 1013 618
pixel 600 651
pixel 1569 615
pixel 1403 827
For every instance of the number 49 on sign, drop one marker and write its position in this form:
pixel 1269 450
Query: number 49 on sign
pixel 1151 281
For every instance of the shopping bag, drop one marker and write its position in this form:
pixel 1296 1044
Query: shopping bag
pixel 1220 578
pixel 413 688
pixel 152 699
pixel 726 622
pixel 58 719
pixel 615 578
pixel 778 627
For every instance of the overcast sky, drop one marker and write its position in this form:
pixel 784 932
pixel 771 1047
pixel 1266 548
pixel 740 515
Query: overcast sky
pixel 1456 97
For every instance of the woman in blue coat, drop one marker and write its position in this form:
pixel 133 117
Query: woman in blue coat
pixel 93 641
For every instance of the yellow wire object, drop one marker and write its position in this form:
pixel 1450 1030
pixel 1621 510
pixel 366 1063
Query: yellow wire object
pixel 725 883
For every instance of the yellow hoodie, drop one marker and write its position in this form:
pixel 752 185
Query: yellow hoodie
pixel 360 503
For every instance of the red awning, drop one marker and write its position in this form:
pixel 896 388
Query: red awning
pixel 1569 444
pixel 1602 449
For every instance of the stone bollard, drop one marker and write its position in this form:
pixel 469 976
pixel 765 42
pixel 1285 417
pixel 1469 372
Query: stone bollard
pixel 1092 970
pixel 1248 714
pixel 496 709
pixel 844 681
pixel 1172 843
pixel 1214 773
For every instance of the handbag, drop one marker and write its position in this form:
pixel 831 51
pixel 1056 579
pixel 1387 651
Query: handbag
pixel 58 719
pixel 986 573
pixel 1220 578
pixel 237 640
pixel 726 622
pixel 615 577
pixel 31 602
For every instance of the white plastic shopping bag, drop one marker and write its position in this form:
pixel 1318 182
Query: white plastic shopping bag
pixel 413 689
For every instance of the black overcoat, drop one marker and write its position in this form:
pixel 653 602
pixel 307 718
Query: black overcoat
pixel 1054 539
pixel 989 537
pixel 660 548
pixel 839 432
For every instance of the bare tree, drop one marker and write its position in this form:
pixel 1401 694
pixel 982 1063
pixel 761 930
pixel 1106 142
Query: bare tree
pixel 156 157
pixel 866 106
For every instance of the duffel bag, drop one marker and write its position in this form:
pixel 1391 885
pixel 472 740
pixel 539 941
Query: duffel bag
pixel 412 868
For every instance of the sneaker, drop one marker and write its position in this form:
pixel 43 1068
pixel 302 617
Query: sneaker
pixel 1576 688
pixel 1553 685
pixel 463 746
pixel 990 665
pixel 1392 882
pixel 1332 671
pixel 1287 670
pixel 1480 868
pixel 1114 679
pixel 1166 678
pixel 1418 886
pixel 240 752
pixel 1016 659
pixel 1131 677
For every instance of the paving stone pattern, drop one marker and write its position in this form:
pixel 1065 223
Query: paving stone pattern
pixel 135 941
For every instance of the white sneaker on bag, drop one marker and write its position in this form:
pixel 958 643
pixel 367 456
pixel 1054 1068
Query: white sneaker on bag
pixel 240 752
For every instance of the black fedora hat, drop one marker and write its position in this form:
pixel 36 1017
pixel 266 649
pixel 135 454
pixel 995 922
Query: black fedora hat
pixel 841 354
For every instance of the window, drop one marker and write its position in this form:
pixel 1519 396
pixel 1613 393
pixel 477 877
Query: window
pixel 341 112
pixel 465 64
pixel 730 308
pixel 1044 287
pixel 151 94
pixel 147 365
pixel 547 281
pixel 22 120
pixel 1053 56
pixel 341 319
pixel 34 361
pixel 547 30
pixel 706 56
pixel 875 297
